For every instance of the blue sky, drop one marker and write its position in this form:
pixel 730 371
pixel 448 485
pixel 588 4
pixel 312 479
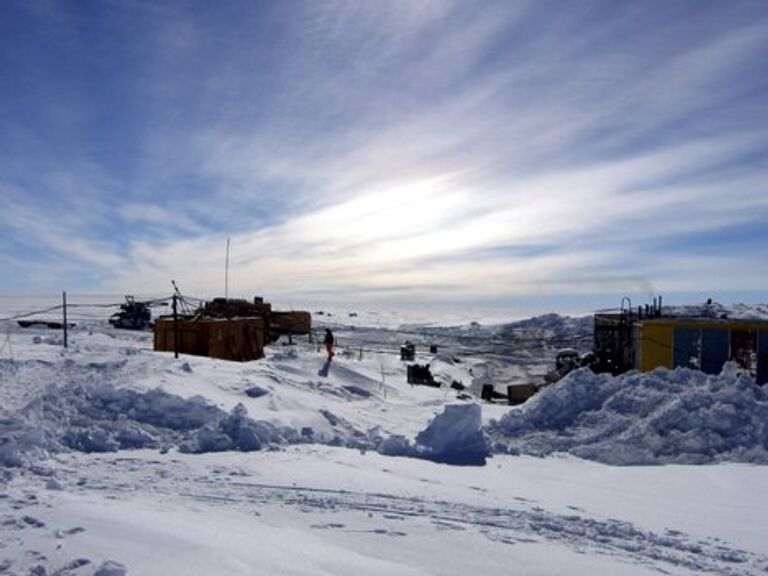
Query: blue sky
pixel 380 150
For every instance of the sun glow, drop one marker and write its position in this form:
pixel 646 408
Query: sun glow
pixel 398 212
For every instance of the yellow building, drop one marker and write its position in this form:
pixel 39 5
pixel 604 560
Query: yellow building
pixel 626 341
pixel 702 343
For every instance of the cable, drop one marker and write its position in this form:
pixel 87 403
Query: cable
pixel 148 302
pixel 157 301
pixel 199 300
pixel 33 313
pixel 79 305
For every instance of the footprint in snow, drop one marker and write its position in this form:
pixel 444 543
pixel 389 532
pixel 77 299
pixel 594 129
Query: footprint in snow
pixel 75 564
pixel 69 532
pixel 386 532
pixel 442 525
pixel 33 522
pixel 110 568
pixel 327 526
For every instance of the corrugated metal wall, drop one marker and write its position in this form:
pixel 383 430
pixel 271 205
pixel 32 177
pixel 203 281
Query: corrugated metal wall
pixel 655 345
pixel 702 346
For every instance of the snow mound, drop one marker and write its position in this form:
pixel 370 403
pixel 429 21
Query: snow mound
pixel 447 370
pixel 236 431
pixel 103 418
pixel 453 437
pixel 665 416
pixel 553 323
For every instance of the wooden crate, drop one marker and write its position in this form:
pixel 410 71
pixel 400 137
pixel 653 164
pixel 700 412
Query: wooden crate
pixel 240 339
pixel 296 322
pixel 517 394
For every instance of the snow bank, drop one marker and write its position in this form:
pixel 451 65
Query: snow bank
pixel 453 437
pixel 103 418
pixel 90 407
pixel 665 416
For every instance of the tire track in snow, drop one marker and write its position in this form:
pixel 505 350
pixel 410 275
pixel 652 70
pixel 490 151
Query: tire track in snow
pixel 527 524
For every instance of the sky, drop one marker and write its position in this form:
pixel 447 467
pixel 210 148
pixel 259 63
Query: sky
pixel 399 150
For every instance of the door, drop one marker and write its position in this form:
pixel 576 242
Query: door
pixel 714 349
pixel 762 357
pixel 687 348
pixel 744 349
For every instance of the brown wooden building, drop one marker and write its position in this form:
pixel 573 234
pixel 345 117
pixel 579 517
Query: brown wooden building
pixel 240 339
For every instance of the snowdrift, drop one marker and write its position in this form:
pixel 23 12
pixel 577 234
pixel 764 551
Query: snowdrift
pixel 665 416
pixel 102 418
pixel 453 437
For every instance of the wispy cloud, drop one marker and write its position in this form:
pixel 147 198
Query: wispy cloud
pixel 401 147
pixel 57 232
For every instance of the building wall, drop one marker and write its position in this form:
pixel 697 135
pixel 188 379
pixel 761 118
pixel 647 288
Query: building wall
pixel 239 339
pixel 656 346
pixel 699 344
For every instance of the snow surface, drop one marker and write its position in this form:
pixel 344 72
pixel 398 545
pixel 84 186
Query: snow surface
pixel 666 416
pixel 117 460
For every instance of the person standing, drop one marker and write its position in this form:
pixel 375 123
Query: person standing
pixel 329 342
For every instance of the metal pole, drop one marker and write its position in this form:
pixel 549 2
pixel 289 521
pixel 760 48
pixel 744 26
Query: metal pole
pixel 64 308
pixel 175 328
pixel 226 273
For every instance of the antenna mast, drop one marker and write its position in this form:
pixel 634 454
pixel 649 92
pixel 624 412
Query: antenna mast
pixel 226 273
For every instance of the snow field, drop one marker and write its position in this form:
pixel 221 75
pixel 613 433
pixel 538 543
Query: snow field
pixel 329 510
pixel 115 459
pixel 147 400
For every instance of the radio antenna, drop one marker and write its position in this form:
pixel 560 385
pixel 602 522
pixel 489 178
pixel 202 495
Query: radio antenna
pixel 226 273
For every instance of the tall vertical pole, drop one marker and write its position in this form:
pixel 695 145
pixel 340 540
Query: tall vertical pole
pixel 226 273
pixel 64 308
pixel 175 327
